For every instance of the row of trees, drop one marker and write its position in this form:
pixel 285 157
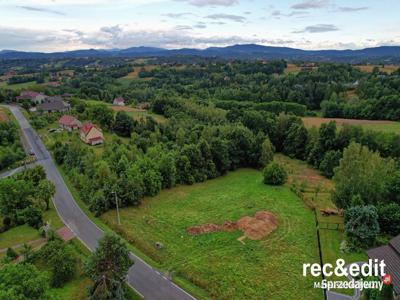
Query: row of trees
pixel 10 146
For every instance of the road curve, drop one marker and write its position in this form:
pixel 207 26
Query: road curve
pixel 142 277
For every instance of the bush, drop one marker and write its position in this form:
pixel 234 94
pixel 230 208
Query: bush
pixel 11 253
pixel 31 215
pixel 389 218
pixel 58 256
pixel 361 226
pixel 275 174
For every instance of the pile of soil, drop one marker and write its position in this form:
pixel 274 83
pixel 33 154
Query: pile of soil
pixel 255 228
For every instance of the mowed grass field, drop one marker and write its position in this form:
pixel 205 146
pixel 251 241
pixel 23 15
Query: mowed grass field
pixel 270 268
pixel 138 114
pixel 376 125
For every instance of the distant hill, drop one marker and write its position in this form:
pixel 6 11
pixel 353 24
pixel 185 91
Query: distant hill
pixel 384 54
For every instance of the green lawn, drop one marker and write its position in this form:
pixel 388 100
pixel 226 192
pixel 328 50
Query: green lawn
pixel 374 125
pixel 19 86
pixel 267 269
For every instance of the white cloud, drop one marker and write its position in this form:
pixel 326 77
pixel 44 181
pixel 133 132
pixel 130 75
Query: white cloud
pixel 318 28
pixel 202 3
pixel 311 4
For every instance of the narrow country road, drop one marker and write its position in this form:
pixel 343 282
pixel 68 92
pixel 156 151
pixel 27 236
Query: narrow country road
pixel 142 277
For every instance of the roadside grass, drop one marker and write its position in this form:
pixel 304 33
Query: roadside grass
pixel 375 125
pixel 270 268
pixel 99 223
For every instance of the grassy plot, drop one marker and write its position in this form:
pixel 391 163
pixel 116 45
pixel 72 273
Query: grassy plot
pixel 316 192
pixel 377 125
pixel 270 268
pixel 19 86
pixel 292 68
pixel 315 188
pixel 137 113
pixel 385 68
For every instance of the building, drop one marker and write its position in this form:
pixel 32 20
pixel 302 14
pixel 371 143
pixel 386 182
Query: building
pixel 119 101
pixel 32 96
pixel 53 104
pixel 91 134
pixel 390 254
pixel 69 123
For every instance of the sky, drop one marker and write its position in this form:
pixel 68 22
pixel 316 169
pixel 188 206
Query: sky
pixel 60 25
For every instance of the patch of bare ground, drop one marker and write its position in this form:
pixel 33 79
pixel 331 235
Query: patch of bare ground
pixel 254 228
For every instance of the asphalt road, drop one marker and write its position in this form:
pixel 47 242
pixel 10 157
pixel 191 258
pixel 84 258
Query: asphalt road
pixel 142 277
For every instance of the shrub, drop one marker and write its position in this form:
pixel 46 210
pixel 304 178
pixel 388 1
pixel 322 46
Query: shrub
pixel 361 225
pixel 58 256
pixel 275 174
pixel 11 253
pixel 389 218
pixel 31 215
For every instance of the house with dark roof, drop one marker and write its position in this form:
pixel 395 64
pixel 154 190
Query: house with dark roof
pixel 69 123
pixel 53 104
pixel 390 254
pixel 119 101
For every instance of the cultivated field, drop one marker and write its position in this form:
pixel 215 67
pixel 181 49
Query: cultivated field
pixel 386 68
pixel 136 70
pixel 270 268
pixel 292 68
pixel 383 126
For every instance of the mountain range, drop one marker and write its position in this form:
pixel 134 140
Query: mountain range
pixel 383 54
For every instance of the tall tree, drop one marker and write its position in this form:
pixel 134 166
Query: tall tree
pixel 364 173
pixel 108 267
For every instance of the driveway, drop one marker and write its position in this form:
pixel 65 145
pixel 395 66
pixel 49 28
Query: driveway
pixel 146 280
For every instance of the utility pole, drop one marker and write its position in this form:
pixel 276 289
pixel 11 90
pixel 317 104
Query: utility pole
pixel 116 204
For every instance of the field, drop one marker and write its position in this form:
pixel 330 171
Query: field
pixel 314 187
pixel 315 191
pixel 19 86
pixel 292 68
pixel 382 126
pixel 136 70
pixel 386 68
pixel 226 268
pixel 138 114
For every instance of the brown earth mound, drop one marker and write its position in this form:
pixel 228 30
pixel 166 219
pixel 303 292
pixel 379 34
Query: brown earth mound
pixel 255 228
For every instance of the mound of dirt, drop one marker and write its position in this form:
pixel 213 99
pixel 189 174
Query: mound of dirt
pixel 255 228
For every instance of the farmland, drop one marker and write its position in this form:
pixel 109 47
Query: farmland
pixel 376 125
pixel 385 68
pixel 218 262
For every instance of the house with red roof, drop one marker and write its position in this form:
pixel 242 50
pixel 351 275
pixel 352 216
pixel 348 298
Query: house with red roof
pixel 31 96
pixel 69 123
pixel 119 101
pixel 91 134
